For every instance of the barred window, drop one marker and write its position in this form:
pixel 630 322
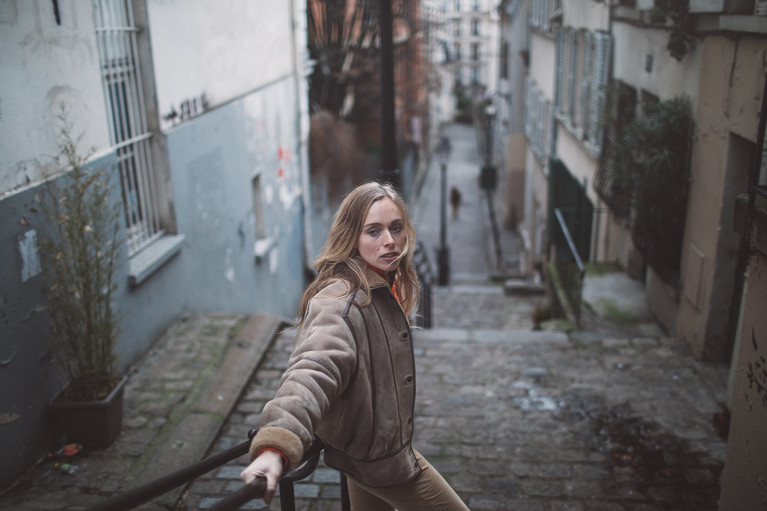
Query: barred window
pixel 129 135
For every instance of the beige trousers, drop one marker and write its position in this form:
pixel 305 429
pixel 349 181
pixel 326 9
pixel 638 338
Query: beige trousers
pixel 427 492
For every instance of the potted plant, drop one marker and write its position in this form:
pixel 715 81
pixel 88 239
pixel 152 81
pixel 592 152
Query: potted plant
pixel 79 263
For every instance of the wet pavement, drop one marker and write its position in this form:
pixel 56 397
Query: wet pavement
pixel 617 416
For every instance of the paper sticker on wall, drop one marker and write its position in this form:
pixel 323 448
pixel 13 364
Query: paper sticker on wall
pixel 30 260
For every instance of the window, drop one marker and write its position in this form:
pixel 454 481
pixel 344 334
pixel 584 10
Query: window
pixel 582 60
pixel 599 65
pixel 572 75
pixel 474 26
pixel 612 191
pixel 540 14
pixel 457 28
pixel 475 51
pixel 129 135
pixel 258 207
pixel 475 6
pixel 505 59
pixel 537 120
pixel 145 203
pixel 263 244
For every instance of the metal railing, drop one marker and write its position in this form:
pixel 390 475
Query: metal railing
pixel 426 279
pixel 246 493
pixel 569 266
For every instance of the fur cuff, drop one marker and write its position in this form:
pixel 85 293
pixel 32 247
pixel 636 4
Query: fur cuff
pixel 285 441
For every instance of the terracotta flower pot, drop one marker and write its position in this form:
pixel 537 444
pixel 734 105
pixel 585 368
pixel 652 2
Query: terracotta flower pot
pixel 90 423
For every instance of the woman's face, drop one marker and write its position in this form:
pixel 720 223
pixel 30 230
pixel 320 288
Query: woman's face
pixel 383 235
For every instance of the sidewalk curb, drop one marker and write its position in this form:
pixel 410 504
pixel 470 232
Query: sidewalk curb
pixel 196 430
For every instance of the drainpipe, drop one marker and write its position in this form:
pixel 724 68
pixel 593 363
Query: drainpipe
pixel 389 171
pixel 301 71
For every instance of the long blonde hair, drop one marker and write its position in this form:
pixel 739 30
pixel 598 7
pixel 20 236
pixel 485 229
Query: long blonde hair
pixel 338 260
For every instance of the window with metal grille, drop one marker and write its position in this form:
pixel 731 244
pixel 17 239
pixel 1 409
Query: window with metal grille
pixel 129 135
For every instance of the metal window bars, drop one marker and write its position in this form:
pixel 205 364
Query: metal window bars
pixel 145 493
pixel 121 79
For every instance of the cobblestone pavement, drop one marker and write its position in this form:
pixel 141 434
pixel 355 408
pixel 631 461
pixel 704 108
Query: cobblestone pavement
pixel 524 420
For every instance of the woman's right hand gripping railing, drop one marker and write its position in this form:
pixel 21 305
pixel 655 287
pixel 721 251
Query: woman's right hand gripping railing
pixel 257 487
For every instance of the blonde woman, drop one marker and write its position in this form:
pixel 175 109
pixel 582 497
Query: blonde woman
pixel 351 378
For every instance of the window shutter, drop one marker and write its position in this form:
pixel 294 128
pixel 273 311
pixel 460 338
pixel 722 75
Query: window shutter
pixel 528 107
pixel 600 67
pixel 542 106
pixel 586 83
pixel 571 71
pixel 560 72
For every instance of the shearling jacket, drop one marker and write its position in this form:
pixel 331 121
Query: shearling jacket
pixel 351 382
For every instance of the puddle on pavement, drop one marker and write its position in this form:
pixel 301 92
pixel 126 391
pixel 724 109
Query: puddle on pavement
pixel 643 459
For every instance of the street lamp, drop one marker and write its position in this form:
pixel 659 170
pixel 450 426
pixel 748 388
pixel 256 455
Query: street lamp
pixel 488 175
pixel 443 252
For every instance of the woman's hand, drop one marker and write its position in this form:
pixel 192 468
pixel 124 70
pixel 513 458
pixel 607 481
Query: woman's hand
pixel 268 465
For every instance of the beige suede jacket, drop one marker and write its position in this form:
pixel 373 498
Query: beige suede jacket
pixel 351 382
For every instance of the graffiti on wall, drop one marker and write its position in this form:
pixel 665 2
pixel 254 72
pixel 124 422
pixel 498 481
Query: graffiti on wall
pixel 187 109
pixel 757 371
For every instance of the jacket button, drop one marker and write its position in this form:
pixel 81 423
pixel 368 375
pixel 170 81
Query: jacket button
pixel 409 421
pixel 409 379
pixel 404 336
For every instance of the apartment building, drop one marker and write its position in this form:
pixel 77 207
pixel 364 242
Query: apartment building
pixel 468 37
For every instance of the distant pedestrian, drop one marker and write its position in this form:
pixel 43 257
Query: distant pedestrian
pixel 455 200
pixel 351 378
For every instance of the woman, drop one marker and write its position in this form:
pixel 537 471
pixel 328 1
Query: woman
pixel 351 378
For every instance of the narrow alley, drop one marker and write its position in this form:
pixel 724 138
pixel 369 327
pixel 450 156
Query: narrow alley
pixel 515 418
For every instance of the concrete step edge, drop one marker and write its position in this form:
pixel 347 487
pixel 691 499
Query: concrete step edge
pixel 476 335
pixel 196 432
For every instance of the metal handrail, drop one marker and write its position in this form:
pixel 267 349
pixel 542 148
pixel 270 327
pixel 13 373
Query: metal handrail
pixel 571 273
pixel 569 239
pixel 144 493
pixel 248 492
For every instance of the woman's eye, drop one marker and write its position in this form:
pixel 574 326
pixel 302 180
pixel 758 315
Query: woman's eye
pixel 373 232
pixel 396 228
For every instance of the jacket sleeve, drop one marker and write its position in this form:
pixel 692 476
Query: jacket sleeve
pixel 320 368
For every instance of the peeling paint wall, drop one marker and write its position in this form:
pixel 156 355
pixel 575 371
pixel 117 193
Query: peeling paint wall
pixel 45 65
pixel 744 480
pixel 28 376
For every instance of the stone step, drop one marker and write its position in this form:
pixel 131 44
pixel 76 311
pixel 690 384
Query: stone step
pixel 477 335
